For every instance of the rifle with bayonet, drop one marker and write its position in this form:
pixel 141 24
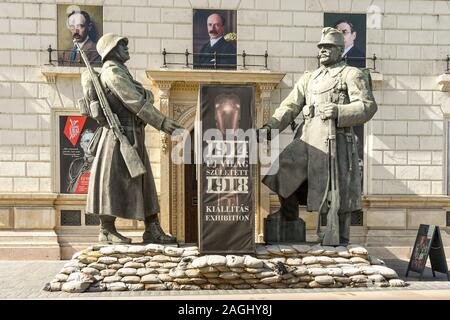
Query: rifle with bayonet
pixel 129 154
pixel 332 198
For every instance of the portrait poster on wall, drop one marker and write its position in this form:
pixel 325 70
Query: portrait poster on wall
pixel 214 39
pixel 75 160
pixel 85 25
pixel 354 28
pixel 226 193
pixel 353 25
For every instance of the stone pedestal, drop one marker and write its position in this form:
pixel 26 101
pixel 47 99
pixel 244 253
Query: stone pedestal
pixel 279 231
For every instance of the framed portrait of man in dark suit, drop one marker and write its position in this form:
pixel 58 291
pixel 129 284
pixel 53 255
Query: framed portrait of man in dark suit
pixel 85 25
pixel 353 26
pixel 214 39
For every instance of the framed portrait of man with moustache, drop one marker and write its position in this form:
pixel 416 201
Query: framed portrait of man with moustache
pixel 85 25
pixel 214 39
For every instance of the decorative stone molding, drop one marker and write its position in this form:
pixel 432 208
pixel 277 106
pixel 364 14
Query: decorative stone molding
pixel 377 79
pixel 265 94
pixel 70 200
pixel 164 95
pixel 406 201
pixel 52 72
pixel 184 87
pixel 445 107
pixel 444 82
pixel 163 138
pixel 25 199
pixel 213 76
pixel 181 110
pixel 395 201
pixel 164 87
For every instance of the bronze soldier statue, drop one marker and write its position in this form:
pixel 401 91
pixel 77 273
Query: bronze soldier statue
pixel 121 182
pixel 335 97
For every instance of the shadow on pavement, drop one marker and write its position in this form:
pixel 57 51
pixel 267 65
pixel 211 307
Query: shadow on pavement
pixel 400 266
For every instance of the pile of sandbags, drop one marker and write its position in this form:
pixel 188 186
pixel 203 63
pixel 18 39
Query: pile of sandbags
pixel 158 267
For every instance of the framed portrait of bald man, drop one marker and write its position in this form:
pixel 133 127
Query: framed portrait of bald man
pixel 214 39
pixel 85 25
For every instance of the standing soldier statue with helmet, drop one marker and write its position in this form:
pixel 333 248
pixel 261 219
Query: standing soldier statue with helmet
pixel 323 158
pixel 121 182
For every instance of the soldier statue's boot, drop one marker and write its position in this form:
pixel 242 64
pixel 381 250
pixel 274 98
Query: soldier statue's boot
pixel 277 215
pixel 288 210
pixel 154 233
pixel 285 225
pixel 108 232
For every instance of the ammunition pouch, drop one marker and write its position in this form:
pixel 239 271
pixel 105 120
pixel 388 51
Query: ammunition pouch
pixel 89 104
pixel 83 106
pixel 97 112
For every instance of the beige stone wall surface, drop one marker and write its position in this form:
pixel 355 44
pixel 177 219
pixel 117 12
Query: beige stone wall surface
pixel 405 140
pixel 406 148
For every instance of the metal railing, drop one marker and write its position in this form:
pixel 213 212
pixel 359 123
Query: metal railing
pixel 63 58
pixel 350 60
pixel 217 65
pixel 216 60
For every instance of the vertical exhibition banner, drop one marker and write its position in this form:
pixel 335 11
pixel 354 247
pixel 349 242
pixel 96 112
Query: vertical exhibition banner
pixel 75 161
pixel 226 193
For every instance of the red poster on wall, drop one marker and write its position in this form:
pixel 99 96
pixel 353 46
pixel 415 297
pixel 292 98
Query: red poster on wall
pixel 75 162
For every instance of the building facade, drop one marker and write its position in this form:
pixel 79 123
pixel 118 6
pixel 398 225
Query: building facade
pixel 405 144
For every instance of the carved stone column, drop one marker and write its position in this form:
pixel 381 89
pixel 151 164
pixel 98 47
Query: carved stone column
pixel 265 94
pixel 165 218
pixel 263 200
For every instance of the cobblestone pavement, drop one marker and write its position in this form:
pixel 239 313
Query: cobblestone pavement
pixel 25 280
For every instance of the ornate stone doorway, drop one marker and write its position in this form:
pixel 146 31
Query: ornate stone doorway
pixel 176 94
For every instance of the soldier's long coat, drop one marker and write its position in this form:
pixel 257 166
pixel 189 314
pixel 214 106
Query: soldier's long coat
pixel 112 191
pixel 306 157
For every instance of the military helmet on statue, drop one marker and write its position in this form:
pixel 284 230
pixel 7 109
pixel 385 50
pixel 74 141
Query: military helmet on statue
pixel 332 36
pixel 108 42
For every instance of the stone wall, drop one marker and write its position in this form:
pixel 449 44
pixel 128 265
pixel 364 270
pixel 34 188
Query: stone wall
pixel 405 142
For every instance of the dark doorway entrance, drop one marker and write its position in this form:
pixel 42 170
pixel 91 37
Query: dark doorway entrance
pixel 190 187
